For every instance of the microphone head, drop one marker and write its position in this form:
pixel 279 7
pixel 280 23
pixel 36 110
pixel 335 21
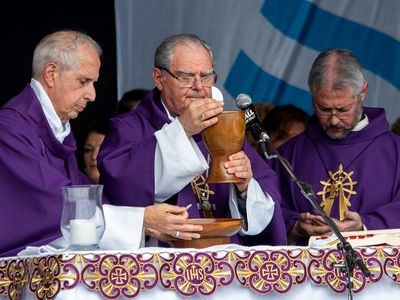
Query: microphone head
pixel 243 100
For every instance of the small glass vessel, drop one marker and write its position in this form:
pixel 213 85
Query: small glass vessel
pixel 82 220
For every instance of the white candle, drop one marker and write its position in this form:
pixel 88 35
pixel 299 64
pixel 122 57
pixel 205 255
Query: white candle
pixel 83 232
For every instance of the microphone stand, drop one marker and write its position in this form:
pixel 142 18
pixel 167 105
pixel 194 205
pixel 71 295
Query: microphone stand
pixel 351 259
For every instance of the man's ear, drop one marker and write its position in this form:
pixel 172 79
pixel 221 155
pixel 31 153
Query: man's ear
pixel 364 91
pixel 50 73
pixel 157 78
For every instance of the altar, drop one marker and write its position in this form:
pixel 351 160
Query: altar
pixel 221 272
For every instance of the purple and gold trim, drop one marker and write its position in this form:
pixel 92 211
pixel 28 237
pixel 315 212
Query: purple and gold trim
pixel 127 275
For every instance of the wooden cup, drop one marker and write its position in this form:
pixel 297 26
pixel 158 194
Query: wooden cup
pixel 216 231
pixel 223 139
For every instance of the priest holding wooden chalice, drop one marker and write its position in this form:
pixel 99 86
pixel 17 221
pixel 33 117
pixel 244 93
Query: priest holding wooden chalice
pixel 182 150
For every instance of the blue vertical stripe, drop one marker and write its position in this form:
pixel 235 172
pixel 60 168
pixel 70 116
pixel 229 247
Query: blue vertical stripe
pixel 247 77
pixel 319 30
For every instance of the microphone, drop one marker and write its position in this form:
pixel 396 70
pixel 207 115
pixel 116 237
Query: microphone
pixel 253 124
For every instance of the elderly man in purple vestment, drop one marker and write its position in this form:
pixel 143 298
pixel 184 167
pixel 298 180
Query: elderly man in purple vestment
pixel 347 153
pixel 37 151
pixel 155 154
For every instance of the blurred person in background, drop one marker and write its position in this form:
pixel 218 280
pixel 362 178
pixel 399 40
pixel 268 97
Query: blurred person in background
pixel 94 139
pixel 396 127
pixel 284 122
pixel 130 100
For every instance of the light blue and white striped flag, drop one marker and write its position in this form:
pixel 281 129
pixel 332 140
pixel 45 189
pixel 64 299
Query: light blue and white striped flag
pixel 265 48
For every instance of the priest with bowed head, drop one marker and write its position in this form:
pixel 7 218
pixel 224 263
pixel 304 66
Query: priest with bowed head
pixel 155 154
pixel 347 153
pixel 37 151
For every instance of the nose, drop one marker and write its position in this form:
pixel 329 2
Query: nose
pixel 198 85
pixel 91 93
pixel 95 152
pixel 334 119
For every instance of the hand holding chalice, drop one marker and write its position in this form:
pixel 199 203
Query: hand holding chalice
pixel 222 140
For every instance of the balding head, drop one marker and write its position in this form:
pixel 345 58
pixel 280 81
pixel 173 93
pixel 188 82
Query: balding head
pixel 334 70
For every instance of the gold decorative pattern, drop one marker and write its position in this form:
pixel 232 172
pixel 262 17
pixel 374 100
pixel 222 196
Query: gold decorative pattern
pixel 13 277
pixel 199 273
pixel 339 185
pixel 322 270
pixel 51 274
pixel 392 264
pixel 200 187
pixel 118 276
pixel 272 271
pixel 123 275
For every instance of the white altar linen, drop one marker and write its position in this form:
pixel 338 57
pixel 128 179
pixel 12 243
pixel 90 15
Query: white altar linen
pixel 211 273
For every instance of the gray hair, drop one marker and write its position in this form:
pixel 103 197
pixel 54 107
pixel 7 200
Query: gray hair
pixel 61 47
pixel 336 69
pixel 165 51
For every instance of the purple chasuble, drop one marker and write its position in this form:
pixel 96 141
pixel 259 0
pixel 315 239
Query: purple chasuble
pixel 33 167
pixel 364 167
pixel 126 164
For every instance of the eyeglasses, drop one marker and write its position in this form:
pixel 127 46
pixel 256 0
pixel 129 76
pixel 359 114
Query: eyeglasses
pixel 342 113
pixel 188 81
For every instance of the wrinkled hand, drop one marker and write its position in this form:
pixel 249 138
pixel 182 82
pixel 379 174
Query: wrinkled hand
pixel 308 225
pixel 172 241
pixel 200 114
pixel 351 222
pixel 159 235
pixel 168 219
pixel 239 165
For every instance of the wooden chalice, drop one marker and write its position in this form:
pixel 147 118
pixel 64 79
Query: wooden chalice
pixel 223 139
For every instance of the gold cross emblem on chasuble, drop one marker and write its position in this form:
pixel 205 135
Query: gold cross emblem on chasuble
pixel 339 185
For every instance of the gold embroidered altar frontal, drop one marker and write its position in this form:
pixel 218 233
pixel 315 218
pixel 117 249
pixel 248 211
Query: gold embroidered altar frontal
pixel 114 275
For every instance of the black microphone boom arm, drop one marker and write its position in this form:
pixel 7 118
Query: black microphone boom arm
pixel 351 257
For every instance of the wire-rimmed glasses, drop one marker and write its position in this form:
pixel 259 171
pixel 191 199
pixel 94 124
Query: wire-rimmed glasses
pixel 188 80
pixel 341 113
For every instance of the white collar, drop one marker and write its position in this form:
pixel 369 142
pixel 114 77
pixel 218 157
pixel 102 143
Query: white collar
pixel 361 124
pixel 60 130
pixel 169 115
